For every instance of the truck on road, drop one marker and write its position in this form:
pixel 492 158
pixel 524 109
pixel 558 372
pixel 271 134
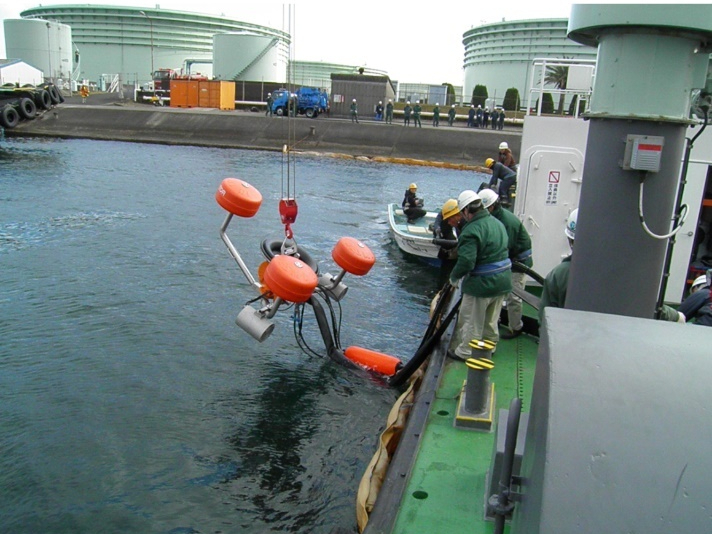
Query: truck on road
pixel 308 101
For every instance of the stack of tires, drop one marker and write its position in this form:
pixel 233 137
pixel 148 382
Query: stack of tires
pixel 26 103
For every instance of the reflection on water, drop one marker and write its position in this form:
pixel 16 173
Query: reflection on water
pixel 130 398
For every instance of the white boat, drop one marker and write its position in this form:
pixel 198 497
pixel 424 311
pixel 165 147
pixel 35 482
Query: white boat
pixel 415 238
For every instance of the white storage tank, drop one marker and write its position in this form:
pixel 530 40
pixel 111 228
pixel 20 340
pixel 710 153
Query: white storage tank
pixel 44 44
pixel 249 56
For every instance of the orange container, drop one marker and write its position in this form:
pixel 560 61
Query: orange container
pixel 184 93
pixel 376 361
pixel 218 94
pixel 238 197
pixel 353 256
pixel 290 278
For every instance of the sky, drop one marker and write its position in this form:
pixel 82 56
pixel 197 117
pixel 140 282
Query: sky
pixel 412 44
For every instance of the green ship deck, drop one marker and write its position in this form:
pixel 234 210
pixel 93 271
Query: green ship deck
pixel 436 481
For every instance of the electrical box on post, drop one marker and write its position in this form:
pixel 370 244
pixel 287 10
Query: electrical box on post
pixel 643 153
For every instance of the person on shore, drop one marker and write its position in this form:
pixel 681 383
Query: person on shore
pixel 354 111
pixel 500 122
pixel 504 175
pixel 436 114
pixel 471 117
pixel 485 118
pixel 379 111
pixel 416 114
pixel 506 157
pixel 478 116
pixel 520 250
pixel 483 270
pixel 84 93
pixel 451 115
pixel 407 110
pixel 495 118
pixel 270 101
pixel 389 112
pixel 412 205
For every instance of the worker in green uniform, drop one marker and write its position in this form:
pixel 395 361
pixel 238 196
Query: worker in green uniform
pixel 436 114
pixel 520 250
pixel 416 114
pixel 407 110
pixel 389 112
pixel 556 283
pixel 451 115
pixel 354 111
pixel 483 268
pixel 269 105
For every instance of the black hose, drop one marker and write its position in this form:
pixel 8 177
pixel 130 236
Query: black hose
pixel 334 352
pixel 425 348
pixel 503 504
pixel 519 267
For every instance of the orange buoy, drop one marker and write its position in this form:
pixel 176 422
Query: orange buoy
pixel 290 278
pixel 376 361
pixel 353 256
pixel 238 197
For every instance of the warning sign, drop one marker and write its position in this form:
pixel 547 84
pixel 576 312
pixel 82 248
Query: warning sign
pixel 552 194
pixel 554 177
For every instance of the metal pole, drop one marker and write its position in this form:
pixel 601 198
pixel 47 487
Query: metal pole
pixel 150 24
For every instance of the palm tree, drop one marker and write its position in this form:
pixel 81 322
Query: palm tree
pixel 557 76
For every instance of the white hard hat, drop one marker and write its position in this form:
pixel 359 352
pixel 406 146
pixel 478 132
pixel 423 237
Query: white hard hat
pixel 354 100
pixel 570 229
pixel 380 102
pixel 466 198
pixel 699 283
pixel 503 145
pixel 408 102
pixel 437 103
pixel 488 197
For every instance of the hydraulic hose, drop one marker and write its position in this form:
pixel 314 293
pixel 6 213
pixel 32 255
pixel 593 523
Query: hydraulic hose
pixel 426 346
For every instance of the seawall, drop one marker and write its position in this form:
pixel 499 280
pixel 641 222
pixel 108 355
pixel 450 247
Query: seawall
pixel 450 146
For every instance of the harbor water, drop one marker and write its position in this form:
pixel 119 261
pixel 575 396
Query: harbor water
pixel 131 402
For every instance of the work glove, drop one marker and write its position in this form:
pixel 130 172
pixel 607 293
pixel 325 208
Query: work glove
pixel 681 317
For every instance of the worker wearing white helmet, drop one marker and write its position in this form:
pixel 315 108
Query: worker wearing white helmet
pixel 354 111
pixel 407 110
pixel 436 114
pixel 483 268
pixel 556 283
pixel 520 251
pixel 379 111
pixel 451 115
pixel 270 100
pixel 506 157
pixel 389 112
pixel 697 308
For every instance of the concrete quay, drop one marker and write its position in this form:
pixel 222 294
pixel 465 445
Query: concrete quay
pixel 456 147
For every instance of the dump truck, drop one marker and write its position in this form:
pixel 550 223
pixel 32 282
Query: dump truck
pixel 309 101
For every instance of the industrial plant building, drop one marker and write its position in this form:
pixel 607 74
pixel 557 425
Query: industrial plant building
pixel 127 44
pixel 500 55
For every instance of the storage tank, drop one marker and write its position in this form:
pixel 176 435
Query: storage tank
pixel 41 43
pixel 248 56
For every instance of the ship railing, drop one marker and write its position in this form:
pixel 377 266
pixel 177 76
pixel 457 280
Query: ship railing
pixel 580 75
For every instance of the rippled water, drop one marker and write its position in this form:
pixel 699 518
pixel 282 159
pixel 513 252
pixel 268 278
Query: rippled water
pixel 130 400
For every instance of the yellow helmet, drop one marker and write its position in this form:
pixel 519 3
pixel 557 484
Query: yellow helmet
pixel 412 186
pixel 489 162
pixel 450 208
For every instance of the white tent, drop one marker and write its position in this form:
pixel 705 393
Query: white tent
pixel 16 71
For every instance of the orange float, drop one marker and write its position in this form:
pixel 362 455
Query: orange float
pixel 376 361
pixel 290 278
pixel 353 256
pixel 238 197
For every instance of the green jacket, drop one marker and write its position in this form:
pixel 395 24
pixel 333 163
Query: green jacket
pixel 555 285
pixel 416 110
pixel 520 244
pixel 483 241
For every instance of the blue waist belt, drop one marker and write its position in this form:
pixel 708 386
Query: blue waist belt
pixel 488 269
pixel 523 255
